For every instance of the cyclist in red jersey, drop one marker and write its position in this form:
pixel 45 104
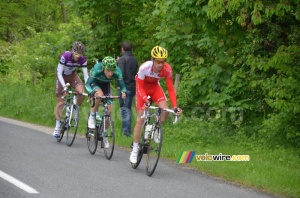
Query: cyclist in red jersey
pixel 147 84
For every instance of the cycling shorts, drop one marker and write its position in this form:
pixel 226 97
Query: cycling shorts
pixel 105 87
pixel 156 93
pixel 73 79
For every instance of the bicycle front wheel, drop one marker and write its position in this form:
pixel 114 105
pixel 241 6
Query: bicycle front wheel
pixel 63 124
pixel 154 148
pixel 109 140
pixel 72 125
pixel 92 139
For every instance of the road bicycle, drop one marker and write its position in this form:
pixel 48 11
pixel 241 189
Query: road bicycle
pixel 104 129
pixel 70 115
pixel 151 138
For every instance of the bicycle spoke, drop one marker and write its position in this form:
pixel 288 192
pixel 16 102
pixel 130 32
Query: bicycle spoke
pixel 72 125
pixel 110 137
pixel 154 149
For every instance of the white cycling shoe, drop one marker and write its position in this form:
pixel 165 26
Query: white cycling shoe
pixel 133 157
pixel 106 143
pixel 56 132
pixel 91 123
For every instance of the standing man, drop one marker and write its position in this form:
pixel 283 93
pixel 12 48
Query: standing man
pixel 129 67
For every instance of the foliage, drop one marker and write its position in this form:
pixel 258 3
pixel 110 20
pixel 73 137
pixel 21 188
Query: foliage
pixel 22 19
pixel 238 60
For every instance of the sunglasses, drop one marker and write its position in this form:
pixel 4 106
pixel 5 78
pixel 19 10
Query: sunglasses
pixel 77 54
pixel 159 61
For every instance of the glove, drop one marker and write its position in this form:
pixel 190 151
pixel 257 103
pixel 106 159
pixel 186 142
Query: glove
pixel 146 104
pixel 177 110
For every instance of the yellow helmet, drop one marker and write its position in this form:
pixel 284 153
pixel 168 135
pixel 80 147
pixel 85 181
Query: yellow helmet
pixel 159 52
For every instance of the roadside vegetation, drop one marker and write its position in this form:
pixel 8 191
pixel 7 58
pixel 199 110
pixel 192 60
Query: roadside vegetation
pixel 238 63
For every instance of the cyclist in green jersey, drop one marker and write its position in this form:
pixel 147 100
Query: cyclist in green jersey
pixel 98 84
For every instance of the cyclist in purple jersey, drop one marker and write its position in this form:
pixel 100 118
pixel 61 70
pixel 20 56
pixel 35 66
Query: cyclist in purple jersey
pixel 66 73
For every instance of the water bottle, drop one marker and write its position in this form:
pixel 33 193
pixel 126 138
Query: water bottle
pixel 98 117
pixel 147 130
pixel 68 111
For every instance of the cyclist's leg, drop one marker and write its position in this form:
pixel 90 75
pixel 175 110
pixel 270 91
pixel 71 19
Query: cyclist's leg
pixel 58 107
pixel 137 130
pixel 77 84
pixel 160 99
pixel 105 87
pixel 93 110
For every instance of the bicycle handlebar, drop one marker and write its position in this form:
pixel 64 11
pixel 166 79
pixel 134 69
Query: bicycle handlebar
pixel 163 109
pixel 103 97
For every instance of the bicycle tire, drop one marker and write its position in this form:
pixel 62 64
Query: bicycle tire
pixel 92 139
pixel 63 122
pixel 142 148
pixel 72 125
pixel 153 150
pixel 110 136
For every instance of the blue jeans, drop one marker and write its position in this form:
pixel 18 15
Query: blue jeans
pixel 126 113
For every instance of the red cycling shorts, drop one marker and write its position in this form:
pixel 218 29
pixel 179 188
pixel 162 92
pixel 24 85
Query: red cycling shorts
pixel 155 92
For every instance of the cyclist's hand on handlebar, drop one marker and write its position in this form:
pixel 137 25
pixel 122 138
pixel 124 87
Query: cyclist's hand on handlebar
pixel 65 91
pixel 178 111
pixel 92 94
pixel 146 104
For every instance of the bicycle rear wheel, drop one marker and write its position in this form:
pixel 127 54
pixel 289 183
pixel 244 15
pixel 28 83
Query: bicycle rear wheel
pixel 154 149
pixel 110 137
pixel 63 124
pixel 72 125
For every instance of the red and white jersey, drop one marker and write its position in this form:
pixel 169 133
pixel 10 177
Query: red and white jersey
pixel 147 81
pixel 146 72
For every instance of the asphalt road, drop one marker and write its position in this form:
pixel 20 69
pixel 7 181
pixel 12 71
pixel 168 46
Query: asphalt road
pixel 33 164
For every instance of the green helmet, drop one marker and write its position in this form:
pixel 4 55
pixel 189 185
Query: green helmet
pixel 109 63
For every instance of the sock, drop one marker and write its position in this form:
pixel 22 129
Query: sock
pixel 57 124
pixel 92 115
pixel 135 147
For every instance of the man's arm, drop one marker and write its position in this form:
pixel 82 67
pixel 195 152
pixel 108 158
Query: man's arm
pixel 121 65
pixel 121 82
pixel 92 78
pixel 60 70
pixel 171 91
pixel 85 74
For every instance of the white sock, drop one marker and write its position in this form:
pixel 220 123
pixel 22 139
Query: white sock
pixel 92 115
pixel 57 124
pixel 135 147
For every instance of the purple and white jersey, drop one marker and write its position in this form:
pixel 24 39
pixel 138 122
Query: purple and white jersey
pixel 69 64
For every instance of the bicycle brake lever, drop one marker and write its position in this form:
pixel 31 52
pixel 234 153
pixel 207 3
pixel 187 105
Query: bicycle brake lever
pixel 176 119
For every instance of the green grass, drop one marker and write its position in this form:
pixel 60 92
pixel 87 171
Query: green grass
pixel 275 171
